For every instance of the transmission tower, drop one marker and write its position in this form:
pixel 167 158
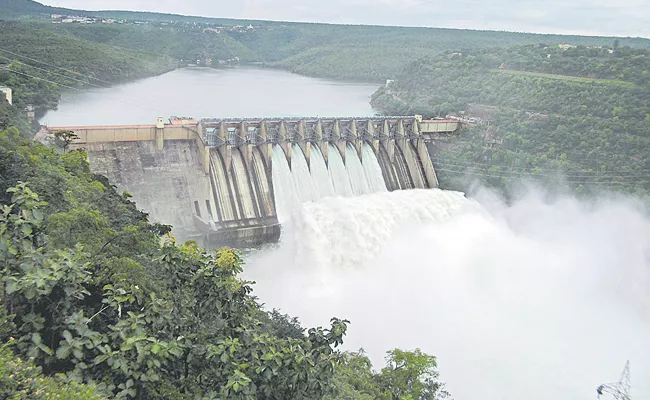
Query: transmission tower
pixel 619 390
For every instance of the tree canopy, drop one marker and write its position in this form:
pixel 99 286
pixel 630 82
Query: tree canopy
pixel 545 114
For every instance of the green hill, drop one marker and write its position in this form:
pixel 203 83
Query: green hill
pixel 358 52
pixel 578 116
pixel 11 9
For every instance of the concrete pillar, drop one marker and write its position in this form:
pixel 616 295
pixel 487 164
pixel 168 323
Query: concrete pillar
pixel 243 131
pixel 324 149
pixel 247 151
pixel 319 130
pixel 357 142
pixel 412 163
pixel 264 133
pixel 336 132
pixel 400 128
pixel 222 132
pixel 301 130
pixel 283 132
pixel 415 128
pixel 226 153
pixel 389 144
pixel 427 164
pixel 371 132
pixel 160 138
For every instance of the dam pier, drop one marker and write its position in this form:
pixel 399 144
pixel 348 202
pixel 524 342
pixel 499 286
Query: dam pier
pixel 212 179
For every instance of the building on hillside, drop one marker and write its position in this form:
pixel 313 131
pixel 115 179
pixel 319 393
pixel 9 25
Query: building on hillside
pixel 8 93
pixel 31 112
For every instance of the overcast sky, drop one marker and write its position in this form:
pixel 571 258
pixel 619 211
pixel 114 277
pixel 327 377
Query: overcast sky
pixel 590 17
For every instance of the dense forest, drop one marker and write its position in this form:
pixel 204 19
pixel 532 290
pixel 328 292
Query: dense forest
pixel 545 113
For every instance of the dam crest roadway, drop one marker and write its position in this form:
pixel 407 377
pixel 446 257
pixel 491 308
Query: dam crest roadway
pixel 213 179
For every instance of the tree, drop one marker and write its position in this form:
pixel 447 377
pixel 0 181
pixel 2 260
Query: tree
pixel 65 138
pixel 410 376
pixel 185 325
pixel 407 376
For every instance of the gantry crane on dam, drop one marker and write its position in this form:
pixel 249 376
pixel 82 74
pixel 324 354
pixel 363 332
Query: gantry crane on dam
pixel 217 172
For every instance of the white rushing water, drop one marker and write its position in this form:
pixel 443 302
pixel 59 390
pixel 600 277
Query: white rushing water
pixel 373 170
pixel 305 186
pixel 527 301
pixel 301 183
pixel 320 174
pixel 338 172
pixel 356 172
pixel 286 197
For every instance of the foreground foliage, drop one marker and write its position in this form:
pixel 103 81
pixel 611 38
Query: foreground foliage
pixel 407 376
pixel 96 296
pixel 102 303
pixel 21 380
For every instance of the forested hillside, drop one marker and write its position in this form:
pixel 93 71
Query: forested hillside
pixel 178 42
pixel 545 114
pixel 38 64
pixel 368 53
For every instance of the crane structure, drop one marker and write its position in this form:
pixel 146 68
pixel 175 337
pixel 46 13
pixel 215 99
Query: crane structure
pixel 618 390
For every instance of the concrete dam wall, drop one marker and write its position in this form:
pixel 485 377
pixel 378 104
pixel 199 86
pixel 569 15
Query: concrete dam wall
pixel 213 179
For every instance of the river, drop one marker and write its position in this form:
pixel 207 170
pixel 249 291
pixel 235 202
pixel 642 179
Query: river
pixel 532 299
pixel 211 93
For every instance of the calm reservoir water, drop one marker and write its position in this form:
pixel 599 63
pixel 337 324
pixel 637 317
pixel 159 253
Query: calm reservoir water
pixel 206 92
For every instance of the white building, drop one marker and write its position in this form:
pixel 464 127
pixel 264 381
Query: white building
pixel 8 93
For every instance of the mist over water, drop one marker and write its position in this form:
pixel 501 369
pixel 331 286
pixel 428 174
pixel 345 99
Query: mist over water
pixel 533 300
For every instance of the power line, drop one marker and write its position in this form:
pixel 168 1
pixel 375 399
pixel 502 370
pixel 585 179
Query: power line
pixel 55 73
pixel 528 172
pixel 533 179
pixel 39 78
pixel 70 87
pixel 54 66
pixel 75 73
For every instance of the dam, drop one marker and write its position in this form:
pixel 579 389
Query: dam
pixel 221 181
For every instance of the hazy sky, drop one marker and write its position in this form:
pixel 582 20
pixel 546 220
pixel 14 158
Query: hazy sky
pixel 591 17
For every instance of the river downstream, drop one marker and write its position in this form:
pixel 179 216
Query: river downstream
pixel 212 93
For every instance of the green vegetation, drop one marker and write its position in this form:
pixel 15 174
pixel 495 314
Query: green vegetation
pixel 96 302
pixel 407 375
pixel 94 63
pixel 38 64
pixel 97 295
pixel 590 130
pixel 21 380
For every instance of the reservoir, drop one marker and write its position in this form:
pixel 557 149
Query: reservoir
pixel 211 93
